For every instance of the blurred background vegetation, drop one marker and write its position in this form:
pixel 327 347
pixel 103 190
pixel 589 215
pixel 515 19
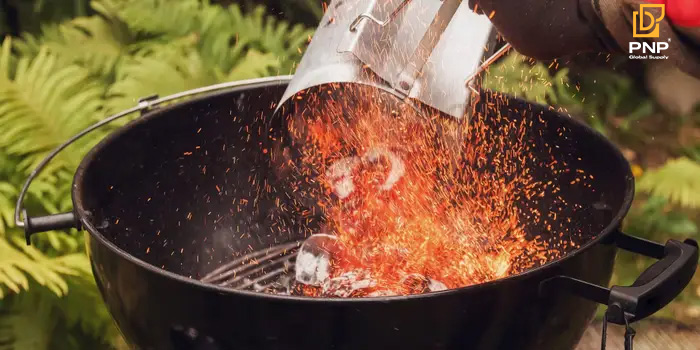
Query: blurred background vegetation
pixel 65 64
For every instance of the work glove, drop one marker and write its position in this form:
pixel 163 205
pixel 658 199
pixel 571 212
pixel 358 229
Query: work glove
pixel 548 29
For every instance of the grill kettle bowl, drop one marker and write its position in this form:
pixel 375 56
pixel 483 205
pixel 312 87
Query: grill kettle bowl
pixel 133 194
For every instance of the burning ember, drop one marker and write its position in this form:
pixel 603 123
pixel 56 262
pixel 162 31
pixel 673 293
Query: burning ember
pixel 413 203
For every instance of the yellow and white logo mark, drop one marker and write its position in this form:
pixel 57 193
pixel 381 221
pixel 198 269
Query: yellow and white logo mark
pixel 646 24
pixel 641 28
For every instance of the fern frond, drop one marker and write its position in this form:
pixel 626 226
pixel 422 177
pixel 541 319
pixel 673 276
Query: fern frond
pixel 253 65
pixel 8 193
pixel 17 261
pixel 103 42
pixel 677 181
pixel 220 44
pixel 174 18
pixel 42 104
pixel 48 194
pixel 97 42
pixel 267 34
pixel 56 320
pixel 166 72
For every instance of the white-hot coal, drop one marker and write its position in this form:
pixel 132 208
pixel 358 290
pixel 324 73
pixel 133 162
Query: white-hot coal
pixel 340 173
pixel 313 263
pixel 314 267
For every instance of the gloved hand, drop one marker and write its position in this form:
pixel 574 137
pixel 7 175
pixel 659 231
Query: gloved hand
pixel 547 29
pixel 543 29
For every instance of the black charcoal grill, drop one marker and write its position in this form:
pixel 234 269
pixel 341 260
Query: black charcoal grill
pixel 165 237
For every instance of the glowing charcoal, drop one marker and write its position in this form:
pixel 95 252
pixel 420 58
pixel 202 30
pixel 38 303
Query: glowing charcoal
pixel 354 283
pixel 340 175
pixel 417 284
pixel 383 293
pixel 398 169
pixel 313 263
pixel 499 265
pixel 436 286
pixel 411 191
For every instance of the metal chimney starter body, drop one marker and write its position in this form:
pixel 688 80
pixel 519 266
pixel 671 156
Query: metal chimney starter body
pixel 423 50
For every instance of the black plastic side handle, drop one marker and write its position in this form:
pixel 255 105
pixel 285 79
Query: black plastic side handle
pixel 654 288
pixel 660 283
pixel 61 221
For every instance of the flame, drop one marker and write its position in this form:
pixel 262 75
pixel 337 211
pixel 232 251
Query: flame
pixel 407 193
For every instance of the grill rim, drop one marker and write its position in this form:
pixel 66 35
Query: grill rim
pixel 78 194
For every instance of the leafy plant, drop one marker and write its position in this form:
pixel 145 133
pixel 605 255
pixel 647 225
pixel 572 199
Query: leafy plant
pixel 17 264
pixel 522 77
pixel 656 215
pixel 677 181
pixel 70 74
pixel 604 94
pixel 597 97
pixel 42 104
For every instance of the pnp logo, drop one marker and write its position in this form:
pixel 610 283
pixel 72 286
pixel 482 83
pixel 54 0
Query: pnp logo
pixel 646 24
pixel 643 29
pixel 655 47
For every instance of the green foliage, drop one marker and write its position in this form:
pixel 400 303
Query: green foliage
pixel 677 181
pixel 604 94
pixel 521 77
pixel 23 327
pixel 656 216
pixel 7 193
pixel 42 320
pixel 102 39
pixel 598 96
pixel 189 43
pixel 60 79
pixel 42 104
pixel 19 261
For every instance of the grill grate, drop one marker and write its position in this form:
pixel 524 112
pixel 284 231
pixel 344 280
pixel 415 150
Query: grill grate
pixel 270 269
